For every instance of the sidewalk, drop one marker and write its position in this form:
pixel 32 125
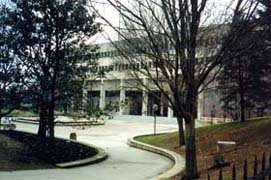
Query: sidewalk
pixel 61 121
pixel 123 163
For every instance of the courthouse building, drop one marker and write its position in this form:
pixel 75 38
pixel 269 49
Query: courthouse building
pixel 121 92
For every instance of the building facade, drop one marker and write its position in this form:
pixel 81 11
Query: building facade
pixel 120 94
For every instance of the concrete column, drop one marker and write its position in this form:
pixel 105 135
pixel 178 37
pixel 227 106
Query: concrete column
pixel 102 95
pixel 200 106
pixel 122 97
pixel 144 111
pixel 144 103
pixel 169 110
pixel 161 104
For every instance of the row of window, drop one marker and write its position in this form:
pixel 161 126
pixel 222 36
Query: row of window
pixel 203 43
pixel 211 41
pixel 125 67
pixel 134 66
pixel 105 54
pixel 137 66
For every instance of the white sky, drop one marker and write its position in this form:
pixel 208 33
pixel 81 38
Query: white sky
pixel 215 7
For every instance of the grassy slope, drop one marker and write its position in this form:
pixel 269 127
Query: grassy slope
pixel 253 137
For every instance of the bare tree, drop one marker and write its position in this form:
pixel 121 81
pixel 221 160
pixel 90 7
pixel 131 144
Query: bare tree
pixel 166 39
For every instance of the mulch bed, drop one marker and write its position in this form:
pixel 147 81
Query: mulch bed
pixel 15 155
pixel 51 151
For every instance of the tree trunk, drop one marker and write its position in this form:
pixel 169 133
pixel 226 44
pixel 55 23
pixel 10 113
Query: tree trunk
pixel 43 120
pixel 191 171
pixel 44 112
pixel 0 118
pixel 181 131
pixel 241 91
pixel 242 107
pixel 65 107
pixel 51 124
pixel 1 115
pixel 51 118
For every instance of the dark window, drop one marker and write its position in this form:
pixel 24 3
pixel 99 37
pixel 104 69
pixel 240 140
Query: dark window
pixel 137 66
pixel 116 67
pixel 150 64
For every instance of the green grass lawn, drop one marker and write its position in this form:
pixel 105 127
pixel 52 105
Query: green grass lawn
pixel 252 137
pixel 21 113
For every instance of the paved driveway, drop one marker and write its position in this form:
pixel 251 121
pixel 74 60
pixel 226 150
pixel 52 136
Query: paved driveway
pixel 124 162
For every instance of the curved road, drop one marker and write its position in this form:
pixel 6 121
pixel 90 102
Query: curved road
pixel 123 163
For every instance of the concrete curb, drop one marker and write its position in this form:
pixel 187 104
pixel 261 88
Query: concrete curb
pixel 60 123
pixel 99 157
pixel 171 174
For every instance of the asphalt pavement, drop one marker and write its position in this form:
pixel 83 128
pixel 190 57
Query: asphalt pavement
pixel 124 162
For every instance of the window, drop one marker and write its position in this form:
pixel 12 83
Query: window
pixel 114 53
pixel 116 67
pixel 150 64
pixel 137 66
pixel 97 55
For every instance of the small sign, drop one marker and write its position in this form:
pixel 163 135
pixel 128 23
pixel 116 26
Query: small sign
pixel 155 108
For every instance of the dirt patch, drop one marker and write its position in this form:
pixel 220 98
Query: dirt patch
pixel 252 137
pixel 28 151
pixel 15 155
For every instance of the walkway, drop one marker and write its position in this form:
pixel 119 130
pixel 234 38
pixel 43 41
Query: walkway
pixel 124 162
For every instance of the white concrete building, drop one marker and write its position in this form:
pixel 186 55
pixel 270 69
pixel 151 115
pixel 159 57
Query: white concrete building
pixel 122 94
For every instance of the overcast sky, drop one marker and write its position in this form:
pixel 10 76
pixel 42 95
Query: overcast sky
pixel 215 7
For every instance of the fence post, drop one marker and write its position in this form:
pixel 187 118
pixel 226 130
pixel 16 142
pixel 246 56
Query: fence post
pixel 269 171
pixel 269 160
pixel 245 170
pixel 220 174
pixel 233 172
pixel 263 162
pixel 255 166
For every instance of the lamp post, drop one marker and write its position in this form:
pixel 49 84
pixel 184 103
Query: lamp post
pixel 154 110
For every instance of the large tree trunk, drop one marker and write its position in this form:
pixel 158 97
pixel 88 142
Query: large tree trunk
pixel 191 171
pixel 51 123
pixel 0 113
pixel 241 91
pixel 44 111
pixel 242 107
pixel 51 117
pixel 43 119
pixel 181 131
